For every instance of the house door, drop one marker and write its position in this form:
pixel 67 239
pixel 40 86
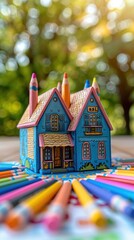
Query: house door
pixel 57 157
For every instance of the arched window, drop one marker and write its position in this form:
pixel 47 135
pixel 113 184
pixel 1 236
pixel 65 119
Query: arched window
pixel 101 150
pixel 86 151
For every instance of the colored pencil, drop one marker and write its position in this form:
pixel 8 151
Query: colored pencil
pixel 10 171
pixel 122 192
pixel 5 184
pixel 121 180
pixel 7 168
pixel 116 176
pixel 123 169
pixel 93 212
pixel 117 184
pixel 10 164
pixel 18 185
pixel 12 199
pixel 66 90
pixel 21 215
pixel 126 173
pixel 115 201
pixel 11 174
pixel 13 178
pixel 56 212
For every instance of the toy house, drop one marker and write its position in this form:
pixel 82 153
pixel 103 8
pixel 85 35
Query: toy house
pixel 63 132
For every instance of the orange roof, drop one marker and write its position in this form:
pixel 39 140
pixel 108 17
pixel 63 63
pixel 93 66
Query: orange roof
pixel 57 140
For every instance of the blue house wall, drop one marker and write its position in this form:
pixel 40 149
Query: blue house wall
pixel 23 145
pixel 93 140
pixel 54 107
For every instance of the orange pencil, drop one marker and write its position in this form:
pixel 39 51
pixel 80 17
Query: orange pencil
pixel 9 171
pixel 66 90
pixel 11 174
pixel 27 209
pixel 56 212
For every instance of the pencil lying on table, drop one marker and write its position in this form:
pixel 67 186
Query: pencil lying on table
pixel 12 199
pixel 5 174
pixel 117 190
pixel 93 212
pixel 27 209
pixel 56 212
pixel 114 200
pixel 25 182
pixel 8 179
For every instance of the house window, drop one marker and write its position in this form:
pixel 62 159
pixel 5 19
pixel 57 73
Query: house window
pixel 101 150
pixel 54 122
pixel 68 153
pixel 92 124
pixel 86 155
pixel 47 154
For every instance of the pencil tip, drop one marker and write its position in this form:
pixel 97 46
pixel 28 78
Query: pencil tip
pixel 34 75
pixel 65 75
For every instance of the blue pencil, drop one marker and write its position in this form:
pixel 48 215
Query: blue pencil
pixel 114 200
pixel 9 164
pixel 123 192
pixel 18 185
pixel 6 168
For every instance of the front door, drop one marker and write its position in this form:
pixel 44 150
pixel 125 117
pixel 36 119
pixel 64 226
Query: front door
pixel 57 157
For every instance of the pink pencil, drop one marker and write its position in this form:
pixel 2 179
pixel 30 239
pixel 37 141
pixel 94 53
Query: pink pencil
pixel 117 184
pixel 20 191
pixel 117 176
pixel 8 201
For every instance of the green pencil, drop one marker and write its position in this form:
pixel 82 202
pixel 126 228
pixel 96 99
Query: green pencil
pixel 3 180
pixel 9 183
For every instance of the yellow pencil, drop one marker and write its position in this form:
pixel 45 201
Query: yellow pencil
pixel 86 200
pixel 121 172
pixel 20 216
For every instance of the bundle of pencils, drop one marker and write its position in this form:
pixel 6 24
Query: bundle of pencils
pixel 23 197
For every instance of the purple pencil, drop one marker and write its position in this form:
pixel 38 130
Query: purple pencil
pixel 114 200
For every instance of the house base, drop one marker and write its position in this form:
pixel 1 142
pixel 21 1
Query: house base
pixel 56 170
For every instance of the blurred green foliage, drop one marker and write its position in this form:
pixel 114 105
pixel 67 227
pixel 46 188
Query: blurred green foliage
pixel 84 38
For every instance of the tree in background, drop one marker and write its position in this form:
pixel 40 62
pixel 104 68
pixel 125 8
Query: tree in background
pixel 84 38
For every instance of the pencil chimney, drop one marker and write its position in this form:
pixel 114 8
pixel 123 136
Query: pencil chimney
pixel 66 90
pixel 33 94
pixel 96 86
pixel 59 87
pixel 87 84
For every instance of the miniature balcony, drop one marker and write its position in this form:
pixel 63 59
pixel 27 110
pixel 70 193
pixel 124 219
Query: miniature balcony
pixel 93 130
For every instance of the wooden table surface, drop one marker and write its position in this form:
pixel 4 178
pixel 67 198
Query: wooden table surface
pixel 122 146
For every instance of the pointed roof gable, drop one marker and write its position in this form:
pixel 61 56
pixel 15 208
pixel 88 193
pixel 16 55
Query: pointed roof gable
pixel 79 101
pixel 43 101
